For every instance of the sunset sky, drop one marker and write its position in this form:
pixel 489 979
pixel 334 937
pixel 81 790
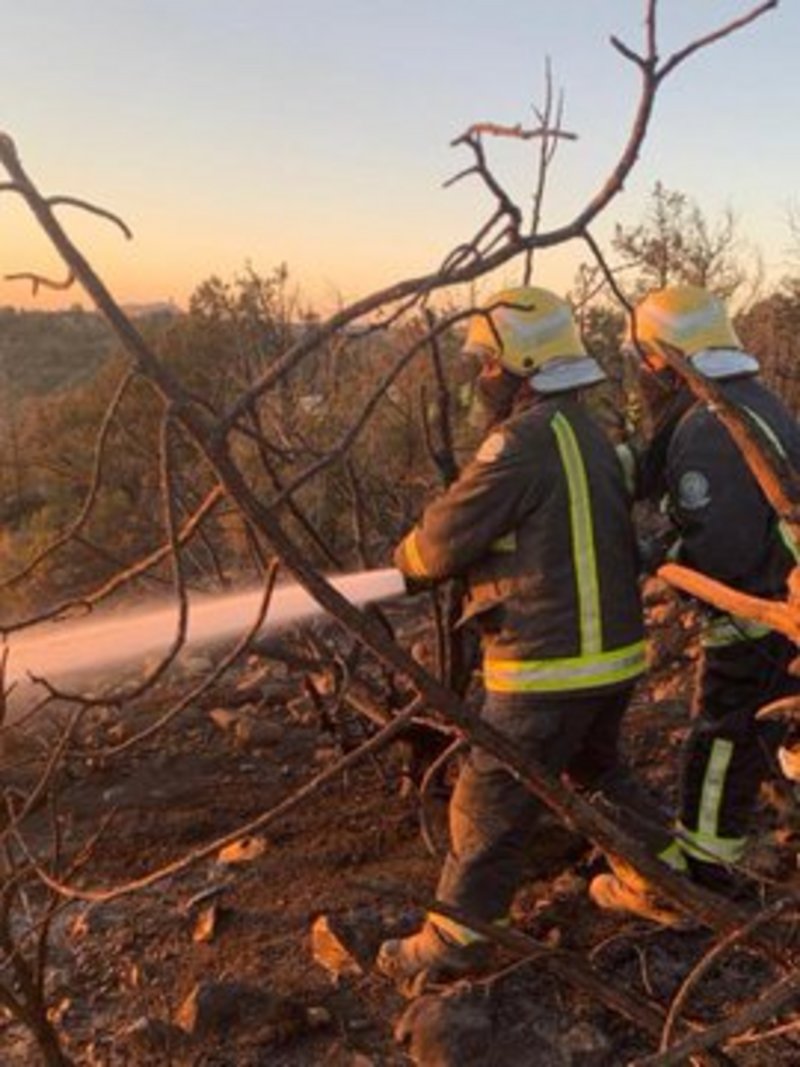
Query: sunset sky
pixel 317 132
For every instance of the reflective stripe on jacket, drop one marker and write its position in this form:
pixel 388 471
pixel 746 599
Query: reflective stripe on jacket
pixel 539 525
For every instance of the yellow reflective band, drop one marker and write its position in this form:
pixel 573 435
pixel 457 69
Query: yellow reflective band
pixel 713 786
pixel 789 542
pixel 729 630
pixel 582 529
pixel 506 543
pixel 674 857
pixel 684 323
pixel 705 842
pixel 767 430
pixel 456 932
pixel 414 564
pixel 564 674
pixel 708 848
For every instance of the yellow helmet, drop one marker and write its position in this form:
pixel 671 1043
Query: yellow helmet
pixel 686 316
pixel 525 330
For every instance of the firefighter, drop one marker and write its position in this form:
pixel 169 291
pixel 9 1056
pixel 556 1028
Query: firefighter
pixel 726 529
pixel 538 524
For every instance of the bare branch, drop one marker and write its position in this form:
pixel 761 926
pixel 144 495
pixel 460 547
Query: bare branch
pixel 85 205
pixel 39 281
pixel 773 613
pixel 708 961
pixel 17 817
pixel 495 130
pixel 780 997
pixel 710 38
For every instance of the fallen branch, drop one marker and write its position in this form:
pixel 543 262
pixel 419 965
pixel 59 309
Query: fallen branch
pixel 777 614
pixel 708 961
pixel 780 998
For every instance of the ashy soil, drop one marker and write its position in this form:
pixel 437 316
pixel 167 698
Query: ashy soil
pixel 215 965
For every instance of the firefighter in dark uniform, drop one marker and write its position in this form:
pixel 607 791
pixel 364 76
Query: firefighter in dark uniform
pixel 727 530
pixel 539 525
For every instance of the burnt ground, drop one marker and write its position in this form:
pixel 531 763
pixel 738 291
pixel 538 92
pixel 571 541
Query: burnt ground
pixel 214 965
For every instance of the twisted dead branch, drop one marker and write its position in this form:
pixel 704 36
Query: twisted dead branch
pixel 781 997
pixel 768 915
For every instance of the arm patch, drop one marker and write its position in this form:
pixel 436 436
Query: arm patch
pixel 492 448
pixel 694 491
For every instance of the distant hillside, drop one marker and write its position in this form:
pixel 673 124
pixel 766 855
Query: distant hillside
pixel 46 351
pixel 158 308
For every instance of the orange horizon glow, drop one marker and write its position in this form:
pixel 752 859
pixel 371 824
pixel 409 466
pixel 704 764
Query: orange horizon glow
pixel 269 133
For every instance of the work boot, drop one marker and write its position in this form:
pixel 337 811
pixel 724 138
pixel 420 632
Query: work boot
pixel 624 890
pixel 429 954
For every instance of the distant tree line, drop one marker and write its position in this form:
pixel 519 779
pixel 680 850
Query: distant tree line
pixel 60 371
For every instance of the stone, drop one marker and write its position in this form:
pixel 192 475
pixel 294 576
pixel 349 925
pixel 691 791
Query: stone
pixel 254 731
pixel 216 1008
pixel 224 718
pixel 330 949
pixel 206 924
pixel 585 1045
pixel 452 1029
pixel 245 850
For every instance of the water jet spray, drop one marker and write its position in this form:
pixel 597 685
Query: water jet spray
pixel 113 641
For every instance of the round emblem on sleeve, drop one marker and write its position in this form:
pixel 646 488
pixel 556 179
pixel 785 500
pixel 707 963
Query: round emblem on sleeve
pixel 491 448
pixel 693 491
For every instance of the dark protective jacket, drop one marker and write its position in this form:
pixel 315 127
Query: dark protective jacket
pixel 729 531
pixel 728 528
pixel 539 525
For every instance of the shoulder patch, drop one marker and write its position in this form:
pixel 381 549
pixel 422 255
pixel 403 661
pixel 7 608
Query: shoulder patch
pixel 492 448
pixel 694 492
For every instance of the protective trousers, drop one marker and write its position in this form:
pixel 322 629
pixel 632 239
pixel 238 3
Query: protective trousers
pixel 728 753
pixel 493 817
